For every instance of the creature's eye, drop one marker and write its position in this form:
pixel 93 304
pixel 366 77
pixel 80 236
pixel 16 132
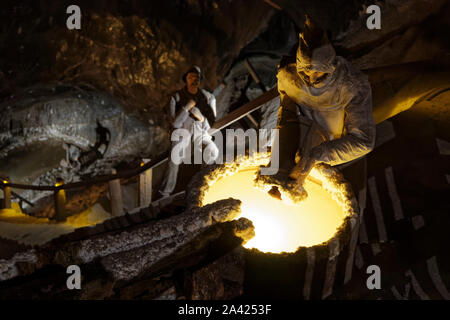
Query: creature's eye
pixel 302 74
pixel 303 68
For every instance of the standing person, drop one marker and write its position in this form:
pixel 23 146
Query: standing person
pixel 192 109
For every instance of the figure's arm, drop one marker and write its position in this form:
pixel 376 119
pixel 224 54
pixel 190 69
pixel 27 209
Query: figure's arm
pixel 360 136
pixel 197 114
pixel 212 103
pixel 182 115
pixel 211 100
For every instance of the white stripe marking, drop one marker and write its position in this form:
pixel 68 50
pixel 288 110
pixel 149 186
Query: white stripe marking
pixel 375 248
pixel 333 248
pixel 385 132
pixel 443 146
pixel 363 232
pixel 362 195
pixel 416 286
pixel 354 238
pixel 417 222
pixel 433 271
pixel 311 260
pixel 359 261
pixel 351 254
pixel 396 204
pixel 382 235
pixel 397 294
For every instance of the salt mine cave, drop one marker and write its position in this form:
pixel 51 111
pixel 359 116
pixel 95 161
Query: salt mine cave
pixel 348 101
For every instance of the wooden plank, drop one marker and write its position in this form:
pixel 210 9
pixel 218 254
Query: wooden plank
pixel 115 195
pixel 6 198
pixel 254 75
pixel 244 110
pixel 145 187
pixel 60 202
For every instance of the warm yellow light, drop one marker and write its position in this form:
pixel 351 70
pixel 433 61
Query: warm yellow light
pixel 280 226
pixel 29 230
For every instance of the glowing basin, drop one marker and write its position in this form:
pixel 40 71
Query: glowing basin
pixel 279 226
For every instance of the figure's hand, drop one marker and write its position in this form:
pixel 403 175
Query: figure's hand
pixel 190 105
pixel 301 171
pixel 304 167
pixel 196 112
pixel 301 168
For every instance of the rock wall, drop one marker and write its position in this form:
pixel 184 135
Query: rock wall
pixel 134 50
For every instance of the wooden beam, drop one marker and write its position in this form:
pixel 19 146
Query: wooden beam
pixel 254 75
pixel 6 198
pixel 244 110
pixel 60 202
pixel 273 5
pixel 115 195
pixel 145 186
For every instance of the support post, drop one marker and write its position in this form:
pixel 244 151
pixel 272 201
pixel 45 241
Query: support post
pixel 60 202
pixel 254 75
pixel 115 196
pixel 258 82
pixel 145 186
pixel 6 194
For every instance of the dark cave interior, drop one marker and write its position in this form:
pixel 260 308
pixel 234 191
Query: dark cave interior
pixel 100 95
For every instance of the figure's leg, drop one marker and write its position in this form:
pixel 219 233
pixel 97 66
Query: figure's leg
pixel 170 179
pixel 211 151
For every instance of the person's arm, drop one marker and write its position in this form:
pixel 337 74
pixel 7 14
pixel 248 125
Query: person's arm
pixel 197 114
pixel 182 115
pixel 360 132
pixel 212 104
pixel 211 101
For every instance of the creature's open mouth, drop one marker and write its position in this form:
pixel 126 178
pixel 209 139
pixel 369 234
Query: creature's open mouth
pixel 319 80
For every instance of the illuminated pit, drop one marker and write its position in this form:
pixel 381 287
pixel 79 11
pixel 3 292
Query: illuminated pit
pixel 281 226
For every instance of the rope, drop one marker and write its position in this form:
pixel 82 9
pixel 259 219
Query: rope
pixel 160 159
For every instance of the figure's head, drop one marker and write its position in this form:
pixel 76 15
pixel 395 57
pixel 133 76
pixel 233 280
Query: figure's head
pixel 192 78
pixel 315 54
